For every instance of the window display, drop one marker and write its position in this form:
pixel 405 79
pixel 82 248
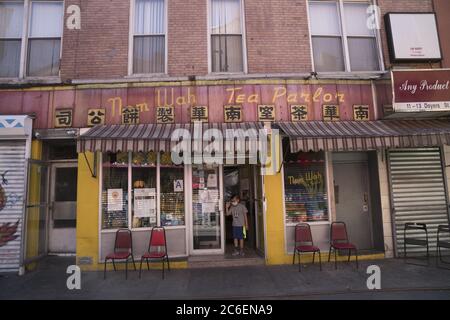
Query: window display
pixel 143 190
pixel 172 195
pixel 305 189
pixel 115 191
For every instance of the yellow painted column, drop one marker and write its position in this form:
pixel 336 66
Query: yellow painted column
pixel 273 190
pixel 34 195
pixel 275 242
pixel 87 214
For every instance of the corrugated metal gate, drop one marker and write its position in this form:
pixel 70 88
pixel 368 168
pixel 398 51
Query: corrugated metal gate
pixel 12 195
pixel 418 193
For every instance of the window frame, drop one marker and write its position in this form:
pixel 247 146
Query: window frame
pixel 345 36
pixel 130 202
pixel 132 35
pixel 19 39
pixel 24 47
pixel 242 34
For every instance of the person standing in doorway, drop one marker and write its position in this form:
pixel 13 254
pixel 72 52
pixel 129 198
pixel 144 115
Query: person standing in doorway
pixel 239 213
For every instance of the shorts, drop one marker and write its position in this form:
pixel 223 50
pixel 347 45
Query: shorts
pixel 238 233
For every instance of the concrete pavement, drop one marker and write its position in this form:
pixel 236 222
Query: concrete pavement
pixel 398 281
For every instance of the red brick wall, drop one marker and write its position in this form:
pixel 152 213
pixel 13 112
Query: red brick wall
pixel 442 8
pixel 100 49
pixel 277 36
pixel 187 38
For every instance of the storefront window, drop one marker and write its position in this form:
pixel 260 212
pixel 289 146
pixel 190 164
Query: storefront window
pixel 115 191
pixel 172 195
pixel 143 189
pixel 305 189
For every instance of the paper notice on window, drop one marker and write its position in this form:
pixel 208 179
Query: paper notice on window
pixel 145 203
pixel 115 200
pixel 212 180
pixel 208 207
pixel 178 185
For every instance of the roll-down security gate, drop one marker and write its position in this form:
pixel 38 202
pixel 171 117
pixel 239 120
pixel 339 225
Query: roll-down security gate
pixel 418 193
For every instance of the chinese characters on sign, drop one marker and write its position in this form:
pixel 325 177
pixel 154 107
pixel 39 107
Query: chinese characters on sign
pixel 63 118
pixel 233 113
pixel 96 117
pixel 299 113
pixel 199 113
pixel 130 115
pixel 165 114
pixel 360 113
pixel 266 112
pixel 330 112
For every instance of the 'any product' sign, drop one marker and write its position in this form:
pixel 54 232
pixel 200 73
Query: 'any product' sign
pixel 421 90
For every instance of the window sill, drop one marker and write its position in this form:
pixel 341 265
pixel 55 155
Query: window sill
pixel 312 223
pixel 358 75
pixel 31 80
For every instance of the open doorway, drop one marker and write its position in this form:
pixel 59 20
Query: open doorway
pixel 240 180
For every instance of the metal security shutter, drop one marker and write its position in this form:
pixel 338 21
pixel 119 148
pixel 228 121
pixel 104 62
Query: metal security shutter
pixel 418 193
pixel 12 166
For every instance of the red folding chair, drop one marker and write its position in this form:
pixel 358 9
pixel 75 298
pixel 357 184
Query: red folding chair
pixel 339 241
pixel 123 250
pixel 304 243
pixel 157 249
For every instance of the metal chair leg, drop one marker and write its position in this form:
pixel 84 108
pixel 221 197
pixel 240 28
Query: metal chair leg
pixel 320 261
pixel 329 254
pixel 163 269
pixel 168 263
pixel 335 258
pixel 293 258
pixel 140 268
pixel 114 264
pixel 314 256
pixel 126 269
pixel 349 254
pixel 148 266
pixel 104 271
pixel 356 255
pixel 299 262
pixel 134 264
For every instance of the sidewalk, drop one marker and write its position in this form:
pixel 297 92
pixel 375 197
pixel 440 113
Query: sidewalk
pixel 398 281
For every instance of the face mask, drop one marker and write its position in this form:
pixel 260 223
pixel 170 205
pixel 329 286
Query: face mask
pixel 234 203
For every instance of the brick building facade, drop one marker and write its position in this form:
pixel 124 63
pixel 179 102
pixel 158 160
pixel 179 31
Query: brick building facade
pixel 131 72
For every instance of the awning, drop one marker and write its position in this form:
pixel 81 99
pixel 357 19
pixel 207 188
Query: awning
pixel 159 137
pixel 365 135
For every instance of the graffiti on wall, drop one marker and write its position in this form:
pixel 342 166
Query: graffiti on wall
pixel 8 232
pixel 7 200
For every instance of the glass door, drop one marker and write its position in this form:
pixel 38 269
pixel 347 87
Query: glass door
pixel 207 217
pixel 36 212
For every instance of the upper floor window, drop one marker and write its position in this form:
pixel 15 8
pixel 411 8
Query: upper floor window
pixel 36 52
pixel 11 21
pixel 149 39
pixel 226 36
pixel 341 39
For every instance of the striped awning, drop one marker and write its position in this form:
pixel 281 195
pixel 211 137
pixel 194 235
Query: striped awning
pixel 162 137
pixel 365 135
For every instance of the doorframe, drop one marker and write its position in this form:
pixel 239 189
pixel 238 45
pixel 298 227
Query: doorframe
pixel 257 171
pixel 25 261
pixel 371 213
pixel 199 252
pixel 50 196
